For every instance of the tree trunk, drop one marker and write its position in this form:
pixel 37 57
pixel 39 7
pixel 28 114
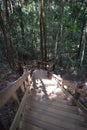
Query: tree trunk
pixel 60 33
pixel 61 23
pixel 41 34
pixel 56 44
pixel 21 22
pixel 10 44
pixel 80 43
pixel 6 47
pixel 83 43
pixel 43 31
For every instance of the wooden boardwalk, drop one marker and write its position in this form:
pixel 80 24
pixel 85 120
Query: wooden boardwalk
pixel 46 107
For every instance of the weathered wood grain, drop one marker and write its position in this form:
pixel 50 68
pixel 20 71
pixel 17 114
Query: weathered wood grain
pixel 19 113
pixel 6 93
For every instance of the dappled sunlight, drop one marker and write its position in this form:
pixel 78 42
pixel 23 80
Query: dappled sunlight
pixel 51 89
pixel 49 81
pixel 39 73
pixel 52 96
pixel 46 88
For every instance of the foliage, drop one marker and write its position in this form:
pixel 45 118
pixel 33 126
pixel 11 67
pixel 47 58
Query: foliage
pixel 24 20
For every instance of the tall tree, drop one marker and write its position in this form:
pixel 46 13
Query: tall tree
pixel 21 21
pixel 6 48
pixel 7 34
pixel 60 33
pixel 84 40
pixel 43 31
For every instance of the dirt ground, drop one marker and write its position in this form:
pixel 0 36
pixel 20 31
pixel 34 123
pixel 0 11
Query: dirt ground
pixel 6 75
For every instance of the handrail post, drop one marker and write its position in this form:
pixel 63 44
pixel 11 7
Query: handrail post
pixel 15 98
pixel 22 88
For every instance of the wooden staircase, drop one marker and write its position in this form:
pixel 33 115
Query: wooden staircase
pixel 44 105
pixel 50 115
pixel 49 111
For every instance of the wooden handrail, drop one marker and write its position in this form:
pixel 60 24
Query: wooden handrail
pixel 6 93
pixel 72 86
pixel 68 94
pixel 14 125
pixel 43 62
pixel 58 78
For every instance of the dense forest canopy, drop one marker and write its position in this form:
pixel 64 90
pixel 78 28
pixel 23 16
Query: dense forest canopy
pixel 44 29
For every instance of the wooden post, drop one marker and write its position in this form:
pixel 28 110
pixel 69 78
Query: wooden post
pixel 22 88
pixel 15 98
pixel 28 79
pixel 49 75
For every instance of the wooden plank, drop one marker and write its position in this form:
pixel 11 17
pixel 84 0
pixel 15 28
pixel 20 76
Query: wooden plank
pixel 78 103
pixel 15 98
pixel 15 122
pixel 53 105
pixel 28 126
pixel 82 106
pixel 22 88
pixel 58 112
pixel 53 109
pixel 50 116
pixel 56 100
pixel 55 115
pixel 51 120
pixel 42 124
pixel 6 93
pixel 56 104
pixel 74 86
pixel 61 106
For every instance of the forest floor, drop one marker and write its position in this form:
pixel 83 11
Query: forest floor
pixel 6 75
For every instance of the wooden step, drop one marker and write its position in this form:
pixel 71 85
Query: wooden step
pixel 41 113
pixel 54 105
pixel 51 109
pixel 24 125
pixel 64 123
